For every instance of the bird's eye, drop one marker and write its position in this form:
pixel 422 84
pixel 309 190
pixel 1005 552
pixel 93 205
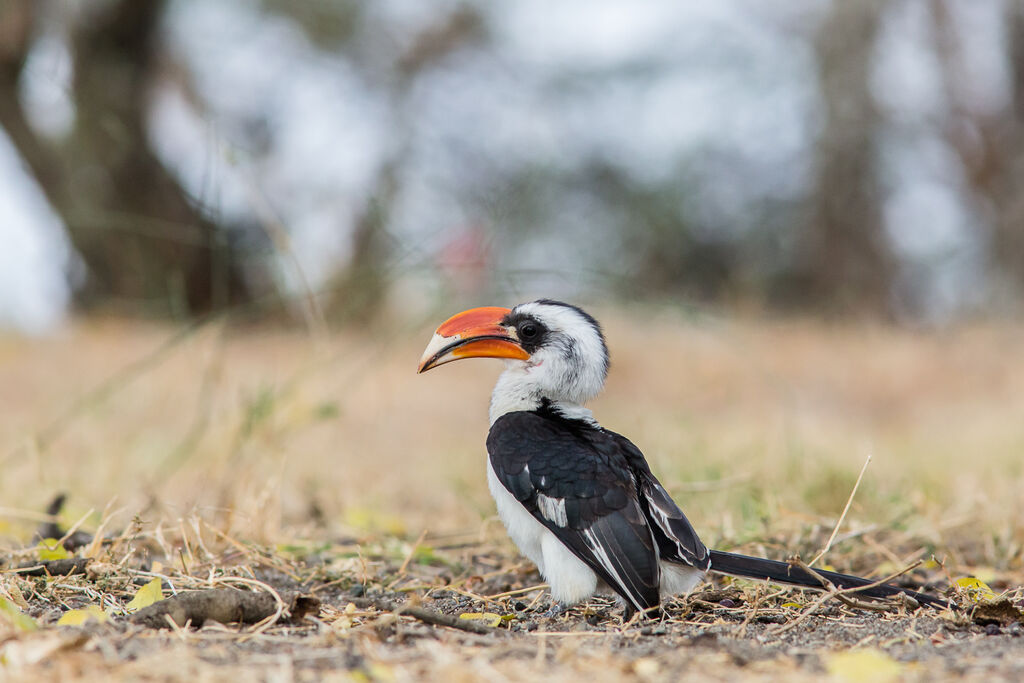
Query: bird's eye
pixel 528 330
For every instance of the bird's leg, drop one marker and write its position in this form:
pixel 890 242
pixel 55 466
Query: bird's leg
pixel 556 610
pixel 627 612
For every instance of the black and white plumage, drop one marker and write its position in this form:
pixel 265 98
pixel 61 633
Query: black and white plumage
pixel 579 500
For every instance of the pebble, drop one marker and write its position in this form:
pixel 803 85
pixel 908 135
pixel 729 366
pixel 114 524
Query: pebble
pixel 727 602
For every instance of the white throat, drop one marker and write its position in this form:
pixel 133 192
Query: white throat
pixel 517 390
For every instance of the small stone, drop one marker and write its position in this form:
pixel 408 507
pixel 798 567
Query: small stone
pixel 993 630
pixel 727 602
pixel 357 590
pixel 520 605
pixel 1016 629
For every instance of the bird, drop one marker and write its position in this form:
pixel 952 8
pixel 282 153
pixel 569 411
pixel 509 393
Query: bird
pixel 579 500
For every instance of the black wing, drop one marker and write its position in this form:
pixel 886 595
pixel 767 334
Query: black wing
pixel 677 540
pixel 576 481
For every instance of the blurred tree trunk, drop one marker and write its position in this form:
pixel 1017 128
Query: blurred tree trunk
pixel 846 262
pixel 142 240
pixel 990 144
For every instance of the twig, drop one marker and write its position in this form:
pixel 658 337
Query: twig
pixel 93 549
pixel 74 527
pixel 760 598
pixel 280 610
pixel 827 585
pixel 806 613
pixel 427 616
pixel 518 591
pixel 412 551
pixel 225 605
pixel 837 591
pixel 67 567
pixel 846 509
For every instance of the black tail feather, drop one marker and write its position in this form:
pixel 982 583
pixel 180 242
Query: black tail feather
pixel 783 572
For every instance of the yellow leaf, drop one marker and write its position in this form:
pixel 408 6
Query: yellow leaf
pixel 77 617
pixel 976 589
pixel 20 621
pixel 794 605
pixel 51 549
pixel 867 665
pixel 145 596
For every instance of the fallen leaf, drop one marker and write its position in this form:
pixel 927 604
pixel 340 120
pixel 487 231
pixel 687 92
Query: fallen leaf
pixel 1001 612
pixel 52 549
pixel 867 665
pixel 975 589
pixel 10 612
pixel 77 617
pixel 145 596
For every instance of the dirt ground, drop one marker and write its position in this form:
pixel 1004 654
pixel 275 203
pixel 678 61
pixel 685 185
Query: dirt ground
pixel 270 463
pixel 361 631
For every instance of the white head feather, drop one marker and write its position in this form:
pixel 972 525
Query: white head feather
pixel 567 366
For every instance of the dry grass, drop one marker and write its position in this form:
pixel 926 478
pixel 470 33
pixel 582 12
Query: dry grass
pixel 241 451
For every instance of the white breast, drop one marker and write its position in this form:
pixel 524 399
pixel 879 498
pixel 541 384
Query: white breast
pixel 570 579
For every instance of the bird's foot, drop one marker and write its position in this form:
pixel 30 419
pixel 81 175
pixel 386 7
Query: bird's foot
pixel 556 610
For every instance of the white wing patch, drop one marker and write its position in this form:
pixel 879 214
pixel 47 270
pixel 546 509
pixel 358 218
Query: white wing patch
pixel 553 510
pixel 601 555
pixel 664 521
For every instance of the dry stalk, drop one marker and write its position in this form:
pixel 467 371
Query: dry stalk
pixel 846 508
pixel 835 592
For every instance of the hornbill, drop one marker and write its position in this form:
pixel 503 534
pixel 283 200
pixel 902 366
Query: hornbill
pixel 577 499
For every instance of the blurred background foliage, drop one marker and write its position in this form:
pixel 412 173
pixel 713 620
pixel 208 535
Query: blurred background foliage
pixel 327 158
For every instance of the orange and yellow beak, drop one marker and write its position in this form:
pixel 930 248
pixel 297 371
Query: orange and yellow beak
pixel 476 333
